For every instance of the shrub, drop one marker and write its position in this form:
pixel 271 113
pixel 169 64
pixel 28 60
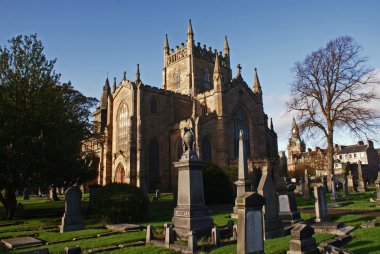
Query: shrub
pixel 120 203
pixel 218 188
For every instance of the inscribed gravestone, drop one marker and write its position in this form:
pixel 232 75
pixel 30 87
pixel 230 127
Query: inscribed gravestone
pixel 72 218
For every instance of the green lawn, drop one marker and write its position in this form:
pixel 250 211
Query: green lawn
pixel 364 240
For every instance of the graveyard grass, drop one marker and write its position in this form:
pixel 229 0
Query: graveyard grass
pixel 47 217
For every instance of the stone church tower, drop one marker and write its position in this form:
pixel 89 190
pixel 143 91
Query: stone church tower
pixel 142 126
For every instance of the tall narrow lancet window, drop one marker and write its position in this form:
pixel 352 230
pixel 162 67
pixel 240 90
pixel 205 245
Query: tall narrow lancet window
pixel 241 123
pixel 154 160
pixel 123 128
pixel 206 150
pixel 206 80
pixel 177 80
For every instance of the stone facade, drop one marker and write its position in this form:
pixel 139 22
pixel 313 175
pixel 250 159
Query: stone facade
pixel 142 126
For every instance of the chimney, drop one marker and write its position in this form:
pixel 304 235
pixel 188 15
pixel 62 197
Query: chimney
pixel 360 143
pixel 370 143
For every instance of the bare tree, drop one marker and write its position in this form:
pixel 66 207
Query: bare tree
pixel 331 90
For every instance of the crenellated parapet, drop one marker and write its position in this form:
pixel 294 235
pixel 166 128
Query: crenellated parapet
pixel 209 56
pixel 177 54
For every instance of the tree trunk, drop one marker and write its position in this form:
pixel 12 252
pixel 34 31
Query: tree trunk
pixel 330 158
pixel 9 202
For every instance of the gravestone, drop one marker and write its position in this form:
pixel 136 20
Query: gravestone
pixel 20 242
pixel 215 236
pixel 73 250
pixel 306 190
pixel 191 213
pixel 168 236
pixel 250 235
pixel 157 194
pixel 72 218
pixel 350 182
pixel 26 194
pixel 302 240
pixel 149 233
pixel 288 212
pixel 267 189
pixel 242 184
pixel 362 187
pixel 333 196
pixel 345 185
pixel 94 190
pixel 320 204
pixel 377 184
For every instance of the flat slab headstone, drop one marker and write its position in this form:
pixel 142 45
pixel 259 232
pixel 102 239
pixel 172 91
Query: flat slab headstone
pixel 369 224
pixel 38 251
pixel 21 242
pixel 122 227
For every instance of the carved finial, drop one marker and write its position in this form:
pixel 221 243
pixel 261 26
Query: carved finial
pixel 271 124
pixel 188 140
pixel 114 84
pixel 124 76
pixel 239 70
pixel 190 29
pixel 166 44
pixel 241 136
pixel 256 83
pixel 217 69
pixel 138 73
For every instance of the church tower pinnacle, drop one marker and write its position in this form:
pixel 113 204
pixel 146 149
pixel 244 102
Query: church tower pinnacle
pixel 256 83
pixel 190 35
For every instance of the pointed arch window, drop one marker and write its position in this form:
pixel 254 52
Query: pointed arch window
pixel 123 127
pixel 154 160
pixel 177 80
pixel 120 174
pixel 241 123
pixel 206 150
pixel 206 80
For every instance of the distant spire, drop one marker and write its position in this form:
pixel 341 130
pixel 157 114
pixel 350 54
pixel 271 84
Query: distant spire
pixel 107 84
pixel 106 92
pixel 256 83
pixel 166 44
pixel 124 76
pixel 138 73
pixel 226 47
pixel 114 84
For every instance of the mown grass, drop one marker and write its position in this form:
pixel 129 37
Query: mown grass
pixel 364 240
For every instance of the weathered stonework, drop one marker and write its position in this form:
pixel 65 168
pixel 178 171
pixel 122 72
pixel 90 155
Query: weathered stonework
pixel 142 126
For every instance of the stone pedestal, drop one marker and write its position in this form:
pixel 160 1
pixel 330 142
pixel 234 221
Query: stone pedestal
pixel 302 240
pixel 250 235
pixel 377 184
pixel 191 213
pixel 72 218
pixel 320 204
pixel 288 212
pixel 272 226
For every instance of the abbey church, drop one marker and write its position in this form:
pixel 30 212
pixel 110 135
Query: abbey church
pixel 142 126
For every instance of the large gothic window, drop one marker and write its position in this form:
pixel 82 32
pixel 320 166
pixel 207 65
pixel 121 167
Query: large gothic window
pixel 206 150
pixel 123 127
pixel 241 123
pixel 206 80
pixel 154 160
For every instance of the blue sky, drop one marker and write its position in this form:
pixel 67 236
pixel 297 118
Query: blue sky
pixel 93 38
